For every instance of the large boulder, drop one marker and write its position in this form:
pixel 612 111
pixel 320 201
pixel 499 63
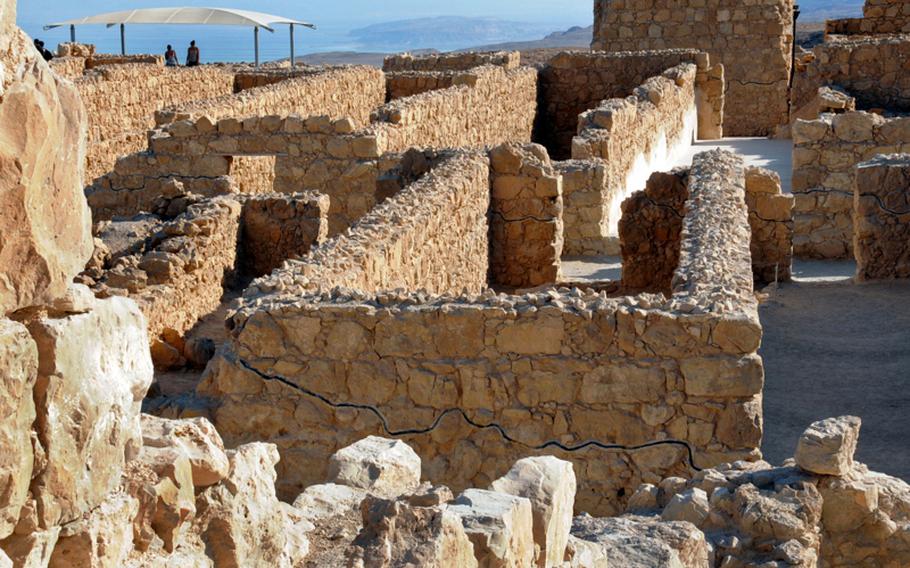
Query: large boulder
pixel 500 527
pixel 18 372
pixel 45 223
pixel 549 483
pixel 102 539
pixel 94 369
pixel 644 542
pixel 386 468
pixel 827 446
pixel 195 438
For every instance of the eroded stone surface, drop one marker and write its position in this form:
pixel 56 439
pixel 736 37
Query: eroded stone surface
pixel 500 526
pixel 827 447
pixel 387 468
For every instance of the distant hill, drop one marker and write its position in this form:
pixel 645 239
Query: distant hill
pixel 821 10
pixel 447 32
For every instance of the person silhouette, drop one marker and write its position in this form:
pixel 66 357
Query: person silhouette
pixel 192 55
pixel 170 57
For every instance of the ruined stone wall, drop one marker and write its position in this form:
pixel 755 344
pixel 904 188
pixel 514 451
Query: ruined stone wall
pixel 472 381
pixel 280 227
pixel 882 218
pixel 69 67
pixel 825 154
pixel 753 41
pixel 871 69
pixel 409 83
pixel 879 17
pixel 771 219
pixel 585 208
pixel 352 92
pixel 121 101
pixel 650 233
pixel 253 174
pixel 451 61
pixel 574 82
pixel 639 134
pixel 526 228
pixel 432 236
pixel 251 78
pixel 487 106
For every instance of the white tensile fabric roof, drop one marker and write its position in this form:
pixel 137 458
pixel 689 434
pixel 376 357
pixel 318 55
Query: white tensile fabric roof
pixel 196 16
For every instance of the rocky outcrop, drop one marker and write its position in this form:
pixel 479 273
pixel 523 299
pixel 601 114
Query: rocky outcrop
pixel 42 149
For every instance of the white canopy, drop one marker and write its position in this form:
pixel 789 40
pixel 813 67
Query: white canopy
pixel 194 16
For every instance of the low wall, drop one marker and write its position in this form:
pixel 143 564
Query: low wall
pixel 432 235
pixel 472 382
pixel 825 154
pixel 882 229
pixel 352 92
pixel 574 82
pixel 451 61
pixel 640 134
pixel 280 227
pixel 121 101
pixel 409 83
pixel 771 219
pixel 526 228
pixel 486 106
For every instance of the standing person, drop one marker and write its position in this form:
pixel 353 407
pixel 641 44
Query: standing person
pixel 170 57
pixel 192 55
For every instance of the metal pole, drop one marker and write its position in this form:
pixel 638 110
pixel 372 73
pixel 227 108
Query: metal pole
pixel 72 33
pixel 293 63
pixel 123 39
pixel 256 37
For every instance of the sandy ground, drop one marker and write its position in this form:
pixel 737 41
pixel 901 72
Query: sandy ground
pixel 839 348
pixel 591 268
pixel 776 155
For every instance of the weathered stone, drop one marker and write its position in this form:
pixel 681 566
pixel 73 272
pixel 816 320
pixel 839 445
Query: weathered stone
pixel 32 549
pixel 18 373
pixel 827 446
pixel 644 543
pixel 549 483
pixel 175 492
pixel 691 506
pixel 93 372
pixel 195 438
pixel 319 502
pixel 500 527
pixel 103 539
pixel 386 468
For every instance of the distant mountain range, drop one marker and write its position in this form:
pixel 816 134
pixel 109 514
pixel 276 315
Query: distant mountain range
pixel 447 32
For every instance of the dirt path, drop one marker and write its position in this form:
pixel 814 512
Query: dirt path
pixel 839 349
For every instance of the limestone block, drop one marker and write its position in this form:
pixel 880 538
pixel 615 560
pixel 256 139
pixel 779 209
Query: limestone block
pixel 18 373
pixel 104 539
pixel 42 157
pixel 881 215
pixel 320 502
pixel 195 438
pixel 691 505
pixel 500 526
pixel 241 520
pixel 386 468
pixel 33 549
pixel 94 370
pixel 549 483
pixel 585 554
pixel 644 499
pixel 175 493
pixel 827 446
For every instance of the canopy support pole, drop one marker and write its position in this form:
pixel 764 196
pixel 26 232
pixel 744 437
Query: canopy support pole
pixel 73 33
pixel 123 39
pixel 256 41
pixel 293 63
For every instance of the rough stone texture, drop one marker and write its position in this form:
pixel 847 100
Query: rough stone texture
pixel 585 208
pixel 276 228
pixel 195 438
pixel 622 371
pixel 526 225
pixel 827 447
pixel 572 83
pixel 103 538
pixel 385 468
pixel 18 373
pixel 879 17
pixel 752 40
pixel 549 484
pixel 825 154
pixel 650 233
pixel 882 218
pixel 462 61
pixel 42 126
pixel 242 522
pixel 771 219
pixel 93 371
pixel 500 527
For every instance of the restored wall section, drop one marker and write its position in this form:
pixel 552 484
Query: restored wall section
pixel 882 228
pixel 526 228
pixel 474 381
pixel 753 41
pixel 640 134
pixel 825 154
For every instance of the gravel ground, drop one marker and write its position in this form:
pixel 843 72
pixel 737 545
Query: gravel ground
pixel 839 349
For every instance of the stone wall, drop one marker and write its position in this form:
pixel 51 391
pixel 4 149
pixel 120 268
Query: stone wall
pixel 121 101
pixel 637 135
pixel 253 174
pixel 486 106
pixel 352 92
pixel 451 61
pixel 882 218
pixel 585 208
pixel 824 155
pixel 771 219
pixel 526 228
pixel 574 82
pixel 432 236
pixel 879 17
pixel 409 83
pixel 753 41
pixel 280 227
pixel 873 70
pixel 472 381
